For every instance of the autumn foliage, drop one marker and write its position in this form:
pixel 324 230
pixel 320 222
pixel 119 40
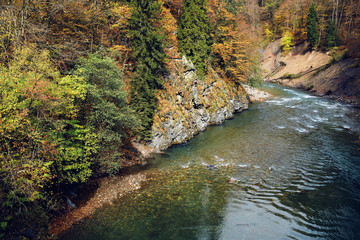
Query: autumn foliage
pixel 80 79
pixel 340 19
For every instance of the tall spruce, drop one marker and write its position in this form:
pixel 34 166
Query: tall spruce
pixel 195 33
pixel 149 55
pixel 312 30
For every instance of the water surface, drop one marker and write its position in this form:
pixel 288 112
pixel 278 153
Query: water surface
pixel 287 168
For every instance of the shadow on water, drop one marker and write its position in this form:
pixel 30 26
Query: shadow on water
pixel 287 168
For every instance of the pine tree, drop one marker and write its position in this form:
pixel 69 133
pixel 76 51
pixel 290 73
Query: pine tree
pixel 332 35
pixel 143 99
pixel 195 33
pixel 312 31
pixel 148 52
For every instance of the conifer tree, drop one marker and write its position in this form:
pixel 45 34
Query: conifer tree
pixel 148 52
pixel 312 30
pixel 332 35
pixel 195 33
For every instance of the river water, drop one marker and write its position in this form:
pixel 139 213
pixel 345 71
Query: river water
pixel 287 168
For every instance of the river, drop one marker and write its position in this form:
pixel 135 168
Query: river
pixel 287 168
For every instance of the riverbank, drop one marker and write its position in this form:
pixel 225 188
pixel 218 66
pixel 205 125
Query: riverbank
pixel 190 103
pixel 321 73
pixel 289 157
pixel 111 188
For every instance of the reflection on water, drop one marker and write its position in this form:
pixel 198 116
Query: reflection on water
pixel 287 168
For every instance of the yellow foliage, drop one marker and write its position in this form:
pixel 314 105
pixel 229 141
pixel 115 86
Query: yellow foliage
pixel 121 14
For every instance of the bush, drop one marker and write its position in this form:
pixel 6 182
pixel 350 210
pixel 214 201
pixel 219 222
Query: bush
pixel 105 110
pixel 255 78
pixel 287 42
pixel 36 107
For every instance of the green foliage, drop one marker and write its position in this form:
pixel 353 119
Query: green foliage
pixel 286 42
pixel 35 102
pixel 271 6
pixel 146 39
pixel 143 99
pixel 255 78
pixel 269 34
pixel 195 33
pixel 104 113
pixel 337 54
pixel 332 35
pixel 148 51
pixel 312 29
pixel 290 76
pixel 54 129
pixel 35 106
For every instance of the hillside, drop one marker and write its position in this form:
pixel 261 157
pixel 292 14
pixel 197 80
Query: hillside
pixel 315 71
pixel 88 86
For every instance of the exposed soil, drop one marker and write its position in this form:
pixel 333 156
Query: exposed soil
pixel 313 71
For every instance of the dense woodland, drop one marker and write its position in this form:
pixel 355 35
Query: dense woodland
pixel 79 80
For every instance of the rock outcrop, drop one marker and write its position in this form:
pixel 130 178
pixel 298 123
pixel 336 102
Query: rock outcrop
pixel 256 95
pixel 190 103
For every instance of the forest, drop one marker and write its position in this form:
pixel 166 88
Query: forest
pixel 80 80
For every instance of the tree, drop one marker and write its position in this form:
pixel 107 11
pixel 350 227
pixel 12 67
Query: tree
pixel 312 30
pixel 271 6
pixel 332 35
pixel 229 56
pixel 149 55
pixel 105 110
pixel 286 42
pixel 143 99
pixel 195 33
pixel 37 110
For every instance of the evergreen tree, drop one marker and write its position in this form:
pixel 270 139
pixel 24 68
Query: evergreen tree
pixel 332 35
pixel 195 38
pixel 148 52
pixel 312 31
pixel 143 99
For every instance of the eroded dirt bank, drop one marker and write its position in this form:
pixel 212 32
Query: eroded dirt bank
pixel 314 71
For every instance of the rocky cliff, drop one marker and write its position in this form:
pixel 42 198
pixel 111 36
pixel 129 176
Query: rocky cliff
pixel 190 103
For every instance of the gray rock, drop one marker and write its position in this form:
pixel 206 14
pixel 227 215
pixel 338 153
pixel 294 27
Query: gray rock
pixel 194 100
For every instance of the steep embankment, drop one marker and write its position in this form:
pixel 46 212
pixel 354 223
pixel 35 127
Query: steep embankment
pixel 189 104
pixel 313 71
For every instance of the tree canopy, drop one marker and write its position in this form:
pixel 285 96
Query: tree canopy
pixel 195 34
pixel 148 51
pixel 312 28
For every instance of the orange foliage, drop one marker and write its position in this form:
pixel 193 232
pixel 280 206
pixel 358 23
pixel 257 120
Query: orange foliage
pixel 169 24
pixel 291 17
pixel 229 49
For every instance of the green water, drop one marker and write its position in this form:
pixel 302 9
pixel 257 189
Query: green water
pixel 294 167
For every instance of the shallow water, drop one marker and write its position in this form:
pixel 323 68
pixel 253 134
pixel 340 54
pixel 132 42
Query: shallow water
pixel 287 168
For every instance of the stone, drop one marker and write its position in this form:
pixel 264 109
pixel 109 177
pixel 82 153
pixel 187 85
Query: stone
pixel 211 167
pixel 200 104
